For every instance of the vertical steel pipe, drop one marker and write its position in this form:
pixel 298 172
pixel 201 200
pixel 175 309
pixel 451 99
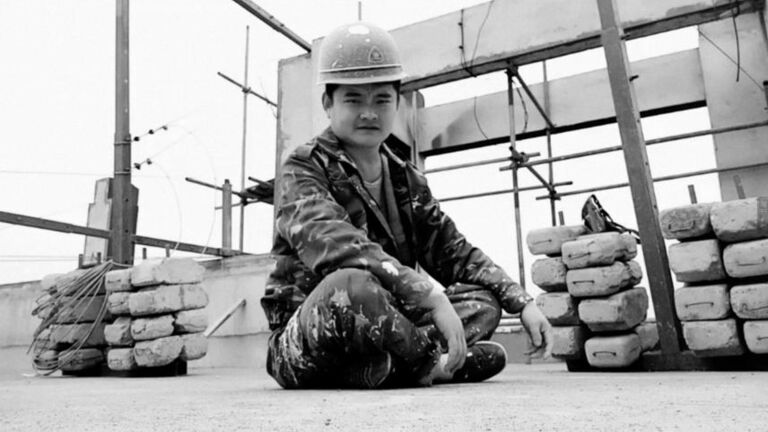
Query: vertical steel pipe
pixel 516 193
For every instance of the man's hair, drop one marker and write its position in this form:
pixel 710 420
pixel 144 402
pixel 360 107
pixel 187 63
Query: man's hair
pixel 330 88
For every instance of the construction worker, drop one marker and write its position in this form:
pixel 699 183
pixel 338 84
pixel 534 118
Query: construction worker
pixel 345 303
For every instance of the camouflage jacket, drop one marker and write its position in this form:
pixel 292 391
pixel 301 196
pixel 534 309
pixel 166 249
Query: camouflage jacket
pixel 327 220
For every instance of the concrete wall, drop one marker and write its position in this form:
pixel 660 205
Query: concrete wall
pixel 733 103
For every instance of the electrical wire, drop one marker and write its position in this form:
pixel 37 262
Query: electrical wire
pixel 467 65
pixel 738 65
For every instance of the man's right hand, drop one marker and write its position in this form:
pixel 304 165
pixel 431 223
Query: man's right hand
pixel 448 323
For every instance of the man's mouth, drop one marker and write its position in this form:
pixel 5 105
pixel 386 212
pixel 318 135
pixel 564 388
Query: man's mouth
pixel 368 127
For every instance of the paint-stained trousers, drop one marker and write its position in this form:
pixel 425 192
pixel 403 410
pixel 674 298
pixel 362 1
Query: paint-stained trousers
pixel 349 318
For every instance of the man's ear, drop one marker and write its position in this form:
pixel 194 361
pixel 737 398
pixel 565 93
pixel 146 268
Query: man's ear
pixel 327 103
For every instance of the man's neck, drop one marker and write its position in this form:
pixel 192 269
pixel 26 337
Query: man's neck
pixel 368 161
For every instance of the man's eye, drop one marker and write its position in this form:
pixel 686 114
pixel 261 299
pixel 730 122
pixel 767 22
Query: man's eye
pixel 352 101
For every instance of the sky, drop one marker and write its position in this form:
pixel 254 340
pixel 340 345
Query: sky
pixel 57 123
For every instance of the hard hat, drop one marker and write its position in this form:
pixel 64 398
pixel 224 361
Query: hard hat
pixel 359 53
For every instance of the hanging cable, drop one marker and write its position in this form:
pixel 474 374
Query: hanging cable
pixel 717 47
pixel 467 65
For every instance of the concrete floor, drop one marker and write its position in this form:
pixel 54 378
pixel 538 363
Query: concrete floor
pixel 539 397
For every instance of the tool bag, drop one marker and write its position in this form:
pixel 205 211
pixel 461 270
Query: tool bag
pixel 597 220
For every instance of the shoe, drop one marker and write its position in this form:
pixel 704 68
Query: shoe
pixel 369 372
pixel 484 360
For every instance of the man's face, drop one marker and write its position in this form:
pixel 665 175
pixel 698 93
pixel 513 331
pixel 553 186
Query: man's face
pixel 362 115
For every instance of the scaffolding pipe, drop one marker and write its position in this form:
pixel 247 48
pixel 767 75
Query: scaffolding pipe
pixel 271 21
pixel 500 192
pixel 516 193
pixel 541 110
pixel 545 89
pixel 658 179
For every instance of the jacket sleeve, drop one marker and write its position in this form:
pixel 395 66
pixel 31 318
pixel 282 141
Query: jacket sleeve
pixel 450 258
pixel 319 229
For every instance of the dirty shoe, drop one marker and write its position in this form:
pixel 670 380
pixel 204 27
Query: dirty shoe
pixel 369 372
pixel 484 360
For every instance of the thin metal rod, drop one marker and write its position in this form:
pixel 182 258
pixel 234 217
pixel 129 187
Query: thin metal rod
pixel 551 171
pixel 542 111
pixel 245 135
pixel 257 181
pixel 654 141
pixel 179 246
pixel 246 89
pixel 657 179
pixel 271 21
pixel 226 216
pixel 51 225
pixel 515 186
pixel 500 192
pixel 202 183
pixel 120 241
pixel 212 329
pixel 739 187
pixel 561 158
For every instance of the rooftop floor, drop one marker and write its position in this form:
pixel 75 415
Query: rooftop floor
pixel 539 397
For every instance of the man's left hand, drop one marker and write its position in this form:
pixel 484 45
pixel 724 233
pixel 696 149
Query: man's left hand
pixel 539 330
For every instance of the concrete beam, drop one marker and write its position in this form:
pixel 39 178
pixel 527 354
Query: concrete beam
pixel 497 33
pixel 663 83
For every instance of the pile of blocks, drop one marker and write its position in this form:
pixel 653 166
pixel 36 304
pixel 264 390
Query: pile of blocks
pixel 722 259
pixel 591 297
pixel 159 317
pixel 73 342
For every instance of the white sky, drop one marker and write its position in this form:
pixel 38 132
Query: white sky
pixel 57 123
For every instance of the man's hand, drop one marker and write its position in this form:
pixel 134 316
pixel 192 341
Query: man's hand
pixel 448 323
pixel 539 330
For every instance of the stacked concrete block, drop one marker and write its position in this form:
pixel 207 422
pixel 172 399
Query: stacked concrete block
pixel 160 316
pixel 73 313
pixel 589 290
pixel 722 266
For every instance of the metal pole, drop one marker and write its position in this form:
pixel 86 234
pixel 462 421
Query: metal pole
pixel 692 194
pixel 499 192
pixel 545 88
pixel 271 21
pixel 212 329
pixel 226 216
pixel 515 186
pixel 528 91
pixel 245 129
pixel 641 184
pixel 121 239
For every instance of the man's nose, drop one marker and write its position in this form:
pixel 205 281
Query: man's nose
pixel 369 114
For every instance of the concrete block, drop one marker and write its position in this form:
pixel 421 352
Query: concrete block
pixel 613 351
pixel 649 335
pixel 46 359
pixel 713 338
pixel 121 359
pixel 686 222
pixel 63 283
pixel 119 332
pixel 598 250
pixel 549 274
pixel 702 303
pixel 559 308
pixel 84 309
pixel 740 220
pixel 117 303
pixel 746 259
pixel 167 298
pixel 696 261
pixel 157 352
pixel 191 321
pixel 195 346
pixel 167 271
pixel 118 281
pixel 43 341
pixel 756 336
pixel 568 342
pixel 604 280
pixel 618 312
pixel 548 241
pixel 151 328
pixel 74 333
pixel 81 360
pixel 750 301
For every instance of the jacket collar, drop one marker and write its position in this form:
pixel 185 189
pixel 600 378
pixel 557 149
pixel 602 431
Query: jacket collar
pixel 330 143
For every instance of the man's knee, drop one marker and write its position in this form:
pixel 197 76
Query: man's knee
pixel 358 286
